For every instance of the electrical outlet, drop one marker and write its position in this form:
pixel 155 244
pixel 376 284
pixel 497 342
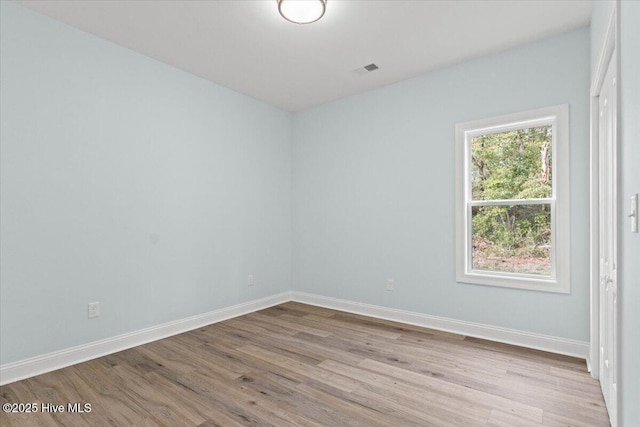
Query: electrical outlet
pixel 94 310
pixel 250 280
pixel 390 285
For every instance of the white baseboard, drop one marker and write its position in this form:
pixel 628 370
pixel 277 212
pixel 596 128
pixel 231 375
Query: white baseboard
pixel 548 343
pixel 27 368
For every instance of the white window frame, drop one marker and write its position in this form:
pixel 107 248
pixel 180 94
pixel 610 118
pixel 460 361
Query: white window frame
pixel 560 279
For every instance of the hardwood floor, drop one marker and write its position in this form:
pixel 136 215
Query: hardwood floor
pixel 295 364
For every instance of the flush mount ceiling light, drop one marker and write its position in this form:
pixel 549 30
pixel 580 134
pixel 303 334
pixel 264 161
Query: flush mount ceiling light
pixel 302 11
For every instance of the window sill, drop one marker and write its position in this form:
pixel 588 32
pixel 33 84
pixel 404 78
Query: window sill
pixel 531 283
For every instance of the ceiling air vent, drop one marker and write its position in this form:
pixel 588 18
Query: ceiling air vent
pixel 366 69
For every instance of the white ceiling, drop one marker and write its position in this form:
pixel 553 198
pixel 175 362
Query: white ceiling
pixel 247 46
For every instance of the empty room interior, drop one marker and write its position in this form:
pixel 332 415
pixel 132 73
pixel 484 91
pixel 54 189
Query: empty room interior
pixel 320 213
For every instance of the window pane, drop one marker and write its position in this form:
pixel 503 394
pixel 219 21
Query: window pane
pixel 515 239
pixel 512 165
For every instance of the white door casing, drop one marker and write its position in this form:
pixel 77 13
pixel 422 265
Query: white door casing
pixel 607 248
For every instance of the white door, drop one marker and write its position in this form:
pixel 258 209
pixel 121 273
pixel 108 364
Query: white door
pixel 608 239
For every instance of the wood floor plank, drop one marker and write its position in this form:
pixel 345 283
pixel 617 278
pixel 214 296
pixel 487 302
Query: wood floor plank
pixel 297 310
pixel 286 322
pixel 192 400
pixel 442 410
pixel 55 388
pixel 295 364
pixel 455 391
pixel 365 329
pixel 337 381
pixel 503 419
pixel 163 406
pixel 20 392
pixel 558 420
pixel 402 328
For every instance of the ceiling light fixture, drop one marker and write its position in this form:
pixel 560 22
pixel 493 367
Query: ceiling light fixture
pixel 302 11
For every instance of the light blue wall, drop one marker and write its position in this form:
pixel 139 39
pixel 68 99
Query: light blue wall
pixel 630 121
pixel 373 180
pixel 128 182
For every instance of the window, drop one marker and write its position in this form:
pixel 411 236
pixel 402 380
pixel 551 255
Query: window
pixel 512 207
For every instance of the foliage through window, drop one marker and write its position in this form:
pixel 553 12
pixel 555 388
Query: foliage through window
pixel 509 224
pixel 512 165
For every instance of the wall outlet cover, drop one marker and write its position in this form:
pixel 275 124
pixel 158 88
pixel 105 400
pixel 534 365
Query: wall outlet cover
pixel 94 310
